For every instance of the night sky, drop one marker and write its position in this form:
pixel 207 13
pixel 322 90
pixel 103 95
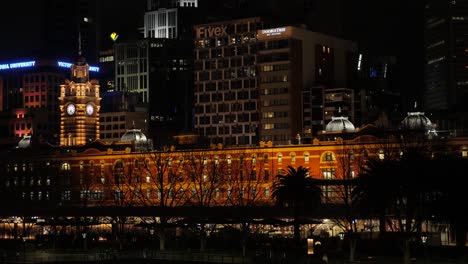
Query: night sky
pixel 386 27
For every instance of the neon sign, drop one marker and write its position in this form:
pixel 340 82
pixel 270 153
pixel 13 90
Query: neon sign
pixel 68 65
pixel 27 64
pixel 24 64
pixel 274 31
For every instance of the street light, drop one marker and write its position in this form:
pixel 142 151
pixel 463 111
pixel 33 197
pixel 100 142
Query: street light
pixel 84 241
pixel 341 235
pixel 424 238
pixel 23 240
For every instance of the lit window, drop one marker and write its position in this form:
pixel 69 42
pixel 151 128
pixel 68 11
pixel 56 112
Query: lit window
pixel 280 158
pixel 328 156
pixel 306 157
pixel 381 155
pixel 328 173
pixel 66 166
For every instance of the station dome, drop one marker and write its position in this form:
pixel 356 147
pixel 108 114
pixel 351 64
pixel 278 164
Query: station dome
pixel 24 142
pixel 338 124
pixel 416 120
pixel 134 135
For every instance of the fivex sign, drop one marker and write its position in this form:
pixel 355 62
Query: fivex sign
pixel 211 31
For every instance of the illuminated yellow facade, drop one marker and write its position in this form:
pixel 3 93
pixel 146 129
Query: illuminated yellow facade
pixel 79 107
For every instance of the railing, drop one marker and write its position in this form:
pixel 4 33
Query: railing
pixel 198 257
pixel 42 257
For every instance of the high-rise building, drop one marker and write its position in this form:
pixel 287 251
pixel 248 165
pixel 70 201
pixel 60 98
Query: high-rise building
pixel 378 95
pixel 298 72
pixel 249 84
pixel 446 61
pixel 159 71
pixel 226 90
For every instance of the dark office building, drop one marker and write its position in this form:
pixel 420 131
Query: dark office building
pixel 159 71
pixel 378 96
pixel 446 63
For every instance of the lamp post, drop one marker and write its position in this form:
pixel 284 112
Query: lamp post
pixel 23 243
pixel 424 238
pixel 84 241
pixel 341 235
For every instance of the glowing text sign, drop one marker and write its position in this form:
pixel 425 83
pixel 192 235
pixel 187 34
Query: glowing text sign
pixel 209 32
pixel 273 31
pixel 16 65
pixel 68 65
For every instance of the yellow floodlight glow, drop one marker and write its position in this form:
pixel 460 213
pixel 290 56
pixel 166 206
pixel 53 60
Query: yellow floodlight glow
pixel 114 36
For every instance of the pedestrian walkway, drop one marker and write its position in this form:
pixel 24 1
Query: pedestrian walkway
pixel 109 256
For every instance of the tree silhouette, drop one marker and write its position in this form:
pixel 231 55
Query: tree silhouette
pixel 298 191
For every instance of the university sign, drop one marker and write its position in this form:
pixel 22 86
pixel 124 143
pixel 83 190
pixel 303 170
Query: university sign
pixel 28 64
pixel 209 32
pixel 68 65
pixel 25 64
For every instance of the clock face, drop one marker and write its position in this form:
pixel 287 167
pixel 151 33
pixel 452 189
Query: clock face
pixel 71 109
pixel 89 109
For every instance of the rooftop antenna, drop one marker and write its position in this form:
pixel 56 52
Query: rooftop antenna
pixel 79 43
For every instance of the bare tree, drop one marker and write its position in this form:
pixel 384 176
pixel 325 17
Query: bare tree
pixel 160 183
pixel 337 189
pixel 204 175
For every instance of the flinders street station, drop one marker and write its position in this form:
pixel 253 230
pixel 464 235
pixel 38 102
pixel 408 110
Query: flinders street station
pixel 86 180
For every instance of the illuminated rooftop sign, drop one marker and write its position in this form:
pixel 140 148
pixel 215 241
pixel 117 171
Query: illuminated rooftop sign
pixel 273 31
pixel 68 65
pixel 27 64
pixel 24 64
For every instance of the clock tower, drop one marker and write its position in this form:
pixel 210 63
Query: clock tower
pixel 79 107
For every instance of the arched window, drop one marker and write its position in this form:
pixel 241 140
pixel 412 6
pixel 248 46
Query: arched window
pixel 265 158
pixel 293 157
pixel 254 159
pixel 119 172
pixel 381 155
pixel 228 160
pixel 328 156
pixel 280 158
pixel 65 166
pixel 306 156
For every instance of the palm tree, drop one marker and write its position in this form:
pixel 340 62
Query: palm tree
pixel 372 194
pixel 396 187
pixel 297 190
